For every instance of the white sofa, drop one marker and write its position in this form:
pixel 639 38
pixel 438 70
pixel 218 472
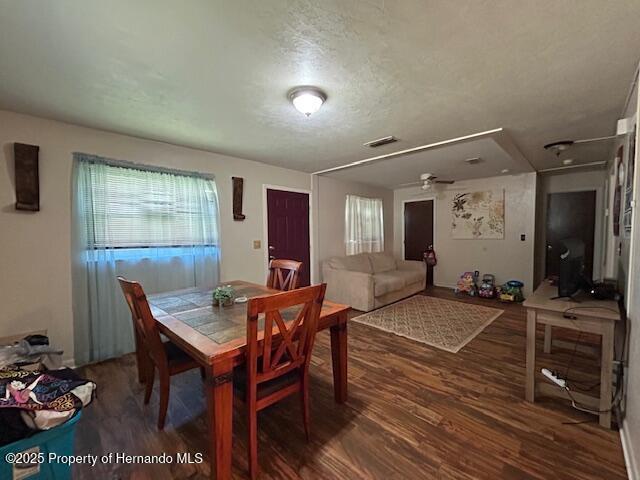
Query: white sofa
pixel 371 280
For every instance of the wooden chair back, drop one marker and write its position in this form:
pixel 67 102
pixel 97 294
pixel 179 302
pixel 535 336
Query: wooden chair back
pixel 267 360
pixel 283 274
pixel 144 323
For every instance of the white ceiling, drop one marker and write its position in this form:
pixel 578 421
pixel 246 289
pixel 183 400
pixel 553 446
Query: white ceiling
pixel 214 74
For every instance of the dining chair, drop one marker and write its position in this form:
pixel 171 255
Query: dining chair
pixel 283 274
pixel 141 356
pixel 278 355
pixel 167 357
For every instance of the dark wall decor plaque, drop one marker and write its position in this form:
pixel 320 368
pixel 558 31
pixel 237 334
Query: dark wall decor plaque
pixel 238 184
pixel 27 181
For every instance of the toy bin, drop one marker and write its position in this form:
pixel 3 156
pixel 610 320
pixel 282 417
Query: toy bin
pixel 58 440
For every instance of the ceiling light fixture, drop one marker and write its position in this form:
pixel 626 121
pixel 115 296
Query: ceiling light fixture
pixel 307 99
pixel 558 147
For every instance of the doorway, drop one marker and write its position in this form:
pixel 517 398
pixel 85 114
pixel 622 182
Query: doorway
pixel 418 231
pixel 288 229
pixel 570 215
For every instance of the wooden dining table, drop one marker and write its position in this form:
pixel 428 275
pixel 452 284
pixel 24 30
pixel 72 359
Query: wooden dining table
pixel 216 337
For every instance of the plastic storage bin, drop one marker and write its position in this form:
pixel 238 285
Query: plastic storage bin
pixel 59 440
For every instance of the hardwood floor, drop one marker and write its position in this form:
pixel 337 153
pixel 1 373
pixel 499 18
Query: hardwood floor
pixel 413 412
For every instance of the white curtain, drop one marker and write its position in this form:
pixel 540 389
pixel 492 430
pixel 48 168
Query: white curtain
pixel 364 225
pixel 155 226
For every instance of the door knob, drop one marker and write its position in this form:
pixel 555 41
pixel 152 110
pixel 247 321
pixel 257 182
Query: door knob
pixel 271 247
pixel 271 257
pixel 549 247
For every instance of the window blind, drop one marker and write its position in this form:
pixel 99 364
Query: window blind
pixel 132 207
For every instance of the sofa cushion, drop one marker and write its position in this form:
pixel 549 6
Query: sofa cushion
pixel 411 276
pixel 353 263
pixel 381 262
pixel 387 282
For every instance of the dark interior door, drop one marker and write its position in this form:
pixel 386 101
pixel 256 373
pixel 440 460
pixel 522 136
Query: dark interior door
pixel 288 222
pixel 418 231
pixel 570 215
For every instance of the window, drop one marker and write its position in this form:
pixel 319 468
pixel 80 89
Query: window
pixel 364 225
pixel 156 226
pixel 129 207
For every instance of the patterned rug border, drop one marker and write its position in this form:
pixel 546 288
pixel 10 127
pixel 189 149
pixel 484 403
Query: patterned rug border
pixel 473 335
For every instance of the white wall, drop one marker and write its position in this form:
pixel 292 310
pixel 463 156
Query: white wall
pixel 570 181
pixel 630 431
pixel 35 278
pixel 507 259
pixel 631 424
pixel 331 196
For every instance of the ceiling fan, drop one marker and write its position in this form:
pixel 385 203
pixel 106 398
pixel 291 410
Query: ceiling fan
pixel 427 182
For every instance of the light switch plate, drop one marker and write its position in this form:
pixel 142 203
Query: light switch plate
pixel 257 244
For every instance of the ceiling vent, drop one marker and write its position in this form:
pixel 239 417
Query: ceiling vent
pixel 381 141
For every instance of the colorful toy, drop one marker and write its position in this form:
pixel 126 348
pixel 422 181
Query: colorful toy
pixel 430 257
pixel 512 291
pixel 467 283
pixel 488 286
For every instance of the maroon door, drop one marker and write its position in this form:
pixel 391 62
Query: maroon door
pixel 288 221
pixel 418 231
pixel 570 215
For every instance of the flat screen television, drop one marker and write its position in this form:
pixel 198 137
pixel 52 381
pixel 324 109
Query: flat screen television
pixel 572 278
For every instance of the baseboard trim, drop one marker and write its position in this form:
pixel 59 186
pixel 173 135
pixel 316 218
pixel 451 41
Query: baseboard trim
pixel 627 450
pixel 443 285
pixel 69 363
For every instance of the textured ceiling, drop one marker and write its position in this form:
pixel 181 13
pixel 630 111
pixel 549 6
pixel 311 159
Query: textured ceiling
pixel 214 74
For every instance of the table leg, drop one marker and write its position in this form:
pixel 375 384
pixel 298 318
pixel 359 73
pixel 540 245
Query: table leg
pixel 547 339
pixel 605 373
pixel 219 387
pixel 531 356
pixel 339 359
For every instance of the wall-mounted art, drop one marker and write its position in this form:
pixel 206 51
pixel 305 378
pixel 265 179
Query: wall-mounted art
pixel 628 194
pixel 238 187
pixel 478 215
pixel 27 179
pixel 617 194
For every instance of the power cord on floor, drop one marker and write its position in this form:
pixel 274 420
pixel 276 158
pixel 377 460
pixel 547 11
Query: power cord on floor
pixel 586 409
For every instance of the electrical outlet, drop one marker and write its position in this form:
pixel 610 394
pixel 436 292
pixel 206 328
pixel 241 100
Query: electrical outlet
pixel 257 244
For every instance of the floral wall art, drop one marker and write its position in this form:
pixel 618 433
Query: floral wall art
pixel 478 215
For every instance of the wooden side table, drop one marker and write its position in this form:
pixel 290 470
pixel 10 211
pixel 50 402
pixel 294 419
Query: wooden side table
pixel 592 316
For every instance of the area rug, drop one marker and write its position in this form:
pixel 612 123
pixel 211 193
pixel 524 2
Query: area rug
pixel 440 323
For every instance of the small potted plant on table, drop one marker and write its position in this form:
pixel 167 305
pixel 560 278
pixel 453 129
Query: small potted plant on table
pixel 223 296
